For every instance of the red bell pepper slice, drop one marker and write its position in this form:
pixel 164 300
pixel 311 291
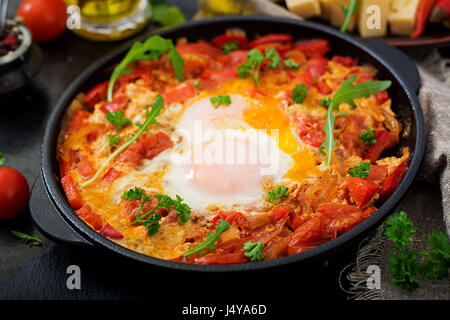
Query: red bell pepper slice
pixel 73 197
pixel 279 213
pixel 317 66
pixel 110 232
pixel 345 61
pixel 393 181
pixel 224 39
pixel 180 94
pixel 313 48
pixel 274 37
pixel 385 141
pixel 361 190
pixel 96 94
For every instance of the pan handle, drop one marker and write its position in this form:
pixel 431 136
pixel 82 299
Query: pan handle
pixel 47 219
pixel 399 61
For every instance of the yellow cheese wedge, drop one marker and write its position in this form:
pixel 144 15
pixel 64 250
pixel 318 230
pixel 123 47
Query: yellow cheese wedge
pixel 304 8
pixel 372 20
pixel 325 8
pixel 402 16
pixel 337 16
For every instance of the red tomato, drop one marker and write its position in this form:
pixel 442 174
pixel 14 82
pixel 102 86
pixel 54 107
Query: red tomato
pixel 224 39
pixel 385 141
pixel 73 197
pixel 274 37
pixel 180 94
pixel 317 66
pixel 345 61
pixel 393 181
pixel 14 193
pixel 313 48
pixel 361 190
pixel 96 94
pixel 110 232
pixel 46 19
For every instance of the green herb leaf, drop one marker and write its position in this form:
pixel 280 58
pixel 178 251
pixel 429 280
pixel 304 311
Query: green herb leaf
pixel 117 119
pixel 368 137
pixel 346 94
pixel 197 84
pixel 209 242
pixel 348 13
pixel 151 49
pixel 230 46
pixel 167 15
pixel 2 159
pixel 277 194
pixel 291 64
pixel 252 65
pixel 157 106
pixel 152 224
pixel 31 240
pixel 438 261
pixel 399 229
pixel 362 170
pixel 274 58
pixel 404 269
pixel 220 100
pixel 299 93
pixel 253 250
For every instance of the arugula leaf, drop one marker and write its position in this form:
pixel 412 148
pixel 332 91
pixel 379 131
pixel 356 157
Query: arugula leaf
pixel 299 93
pixel 220 100
pixel 230 46
pixel 277 194
pixel 2 159
pixel 253 250
pixel 117 119
pixel 31 240
pixel 291 64
pixel 166 15
pixel 345 94
pixel 368 137
pixel 348 13
pixel 139 125
pixel 208 243
pixel 114 139
pixel 151 49
pixel 274 58
pixel 157 106
pixel 362 170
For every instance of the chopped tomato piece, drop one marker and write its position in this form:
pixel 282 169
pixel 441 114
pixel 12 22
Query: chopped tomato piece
pixel 309 234
pixel 93 219
pixel 281 48
pixel 343 216
pixel 220 41
pixel 119 103
pixel 85 168
pixel 385 141
pixel 77 120
pixel 367 212
pixel 317 66
pixel 233 217
pixel 110 232
pixel 96 95
pixel 323 87
pixel 345 61
pixel 201 48
pixel 179 94
pixel 381 97
pixel 156 144
pixel 305 78
pixel 274 37
pixel 377 173
pixel 310 130
pixel 233 59
pixel 73 197
pixel 279 213
pixel 361 190
pixel 111 175
pixel 295 221
pixel 393 181
pixel 313 48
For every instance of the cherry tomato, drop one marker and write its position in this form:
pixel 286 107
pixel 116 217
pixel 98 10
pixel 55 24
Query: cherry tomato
pixel 14 193
pixel 46 19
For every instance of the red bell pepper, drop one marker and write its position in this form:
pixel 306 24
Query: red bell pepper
pixel 385 141
pixel 274 37
pixel 73 197
pixel 313 48
pixel 224 39
pixel 110 232
pixel 361 190
pixel 393 181
pixel 423 12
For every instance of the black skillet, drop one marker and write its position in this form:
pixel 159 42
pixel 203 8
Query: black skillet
pixel 55 218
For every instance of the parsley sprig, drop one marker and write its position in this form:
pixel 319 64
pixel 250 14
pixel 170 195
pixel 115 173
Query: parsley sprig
pixel 230 46
pixel 362 170
pixel 403 262
pixel 255 58
pixel 150 118
pixel 220 100
pixel 209 242
pixel 31 240
pixel 277 194
pixel 117 119
pixel 151 49
pixel 151 218
pixel 114 139
pixel 368 137
pixel 2 159
pixel 291 64
pixel 299 93
pixel 253 250
pixel 346 94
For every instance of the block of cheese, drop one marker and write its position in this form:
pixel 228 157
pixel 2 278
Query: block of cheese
pixel 402 16
pixel 372 20
pixel 337 16
pixel 325 8
pixel 304 8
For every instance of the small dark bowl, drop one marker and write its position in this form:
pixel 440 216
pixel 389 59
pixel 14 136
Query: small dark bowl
pixel 49 196
pixel 19 66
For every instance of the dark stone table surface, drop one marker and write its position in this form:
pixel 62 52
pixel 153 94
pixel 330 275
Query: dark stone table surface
pixel 40 272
